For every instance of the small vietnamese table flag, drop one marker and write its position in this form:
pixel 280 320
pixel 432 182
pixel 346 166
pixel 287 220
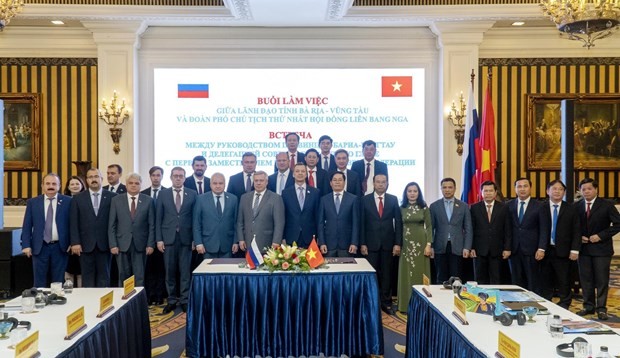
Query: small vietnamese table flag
pixel 313 255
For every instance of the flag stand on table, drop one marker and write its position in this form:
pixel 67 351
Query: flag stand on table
pixel 253 255
pixel 313 254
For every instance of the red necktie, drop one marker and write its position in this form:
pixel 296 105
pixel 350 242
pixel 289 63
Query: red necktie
pixel 133 208
pixel 311 179
pixel 292 164
pixel 588 210
pixel 380 206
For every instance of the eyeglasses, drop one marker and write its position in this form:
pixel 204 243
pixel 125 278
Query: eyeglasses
pixel 178 176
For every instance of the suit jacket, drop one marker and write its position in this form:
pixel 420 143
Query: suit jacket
pixel 34 222
pixel 87 229
pixel 236 185
pixel 167 220
pixel 341 230
pixel 354 185
pixel 267 225
pixel 299 158
pixel 122 231
pixel 120 188
pixel 332 163
pixel 359 166
pixel 568 232
pixel 190 183
pixel 216 233
pixel 381 233
pixel 272 182
pixel 458 227
pixel 491 238
pixel 322 181
pixel 533 232
pixel 148 192
pixel 604 221
pixel 301 225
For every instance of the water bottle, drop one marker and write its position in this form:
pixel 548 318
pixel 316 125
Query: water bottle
pixel 557 331
pixel 68 286
pixel 603 353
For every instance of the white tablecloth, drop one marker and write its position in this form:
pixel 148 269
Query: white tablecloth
pixel 206 267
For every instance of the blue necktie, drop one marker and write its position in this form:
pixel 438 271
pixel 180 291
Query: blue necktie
pixel 448 209
pixel 554 224
pixel 521 211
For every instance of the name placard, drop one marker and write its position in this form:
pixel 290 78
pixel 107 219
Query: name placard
pixel 426 282
pixel 507 347
pixel 129 287
pixel 75 323
pixel 28 347
pixel 105 304
pixel 459 310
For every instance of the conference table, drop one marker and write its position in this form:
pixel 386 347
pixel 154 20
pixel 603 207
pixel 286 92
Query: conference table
pixel 432 330
pixel 123 332
pixel 236 311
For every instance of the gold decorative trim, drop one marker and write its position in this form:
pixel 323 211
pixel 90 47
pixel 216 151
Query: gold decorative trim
pixel 213 3
pixel 47 61
pixel 440 2
pixel 566 61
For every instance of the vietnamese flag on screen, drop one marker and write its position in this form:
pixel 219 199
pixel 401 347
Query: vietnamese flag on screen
pixel 193 91
pixel 396 86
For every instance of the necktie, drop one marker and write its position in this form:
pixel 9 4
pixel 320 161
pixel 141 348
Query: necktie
pixel 49 221
pixel 521 211
pixel 449 209
pixel 255 206
pixel 489 206
pixel 554 223
pixel 96 203
pixel 155 194
pixel 380 206
pixel 177 200
pixel 325 163
pixel 588 210
pixel 337 203
pixel 311 179
pixel 199 183
pixel 292 163
pixel 300 197
pixel 219 206
pixel 132 210
pixel 248 184
pixel 112 189
pixel 365 182
pixel 281 186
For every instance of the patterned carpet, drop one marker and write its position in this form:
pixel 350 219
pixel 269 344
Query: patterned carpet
pixel 168 331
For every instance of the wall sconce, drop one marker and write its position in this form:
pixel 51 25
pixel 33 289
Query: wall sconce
pixel 456 117
pixel 114 115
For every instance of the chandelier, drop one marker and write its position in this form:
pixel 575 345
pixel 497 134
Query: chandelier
pixel 584 20
pixel 8 9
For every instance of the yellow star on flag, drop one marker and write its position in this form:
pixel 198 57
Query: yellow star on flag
pixel 311 254
pixel 397 86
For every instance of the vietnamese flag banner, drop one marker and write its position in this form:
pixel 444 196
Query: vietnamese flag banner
pixel 396 86
pixel 313 255
pixel 487 140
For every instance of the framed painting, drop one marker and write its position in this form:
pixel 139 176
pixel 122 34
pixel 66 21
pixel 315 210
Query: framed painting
pixel 597 131
pixel 22 128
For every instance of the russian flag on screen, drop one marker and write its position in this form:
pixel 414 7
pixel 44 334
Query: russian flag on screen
pixel 253 255
pixel 193 91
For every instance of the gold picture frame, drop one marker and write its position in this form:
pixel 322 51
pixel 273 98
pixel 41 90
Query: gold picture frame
pixel 22 131
pixel 597 131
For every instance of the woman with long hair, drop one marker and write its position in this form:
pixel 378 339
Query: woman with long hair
pixel 74 186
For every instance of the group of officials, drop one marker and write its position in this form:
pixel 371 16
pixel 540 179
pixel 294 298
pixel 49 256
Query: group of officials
pixel 313 194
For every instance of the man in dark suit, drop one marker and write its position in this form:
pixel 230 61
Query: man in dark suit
pixel 131 230
pixel 352 182
pixel 328 161
pixel 45 232
pixel 382 235
pixel 563 246
pixel 599 222
pixel 368 167
pixel 530 233
pixel 261 216
pixel 339 220
pixel 294 156
pixel 174 235
pixel 198 182
pixel 283 177
pixel 492 235
pixel 155 274
pixel 452 232
pixel 114 174
pixel 301 206
pixel 90 214
pixel 241 183
pixel 215 220
pixel 317 177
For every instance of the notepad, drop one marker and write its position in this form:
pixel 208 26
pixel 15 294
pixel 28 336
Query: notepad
pixel 518 306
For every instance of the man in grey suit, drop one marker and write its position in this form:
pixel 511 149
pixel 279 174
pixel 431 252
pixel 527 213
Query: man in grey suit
pixel 90 214
pixel 131 229
pixel 261 215
pixel 173 230
pixel 215 219
pixel 452 232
